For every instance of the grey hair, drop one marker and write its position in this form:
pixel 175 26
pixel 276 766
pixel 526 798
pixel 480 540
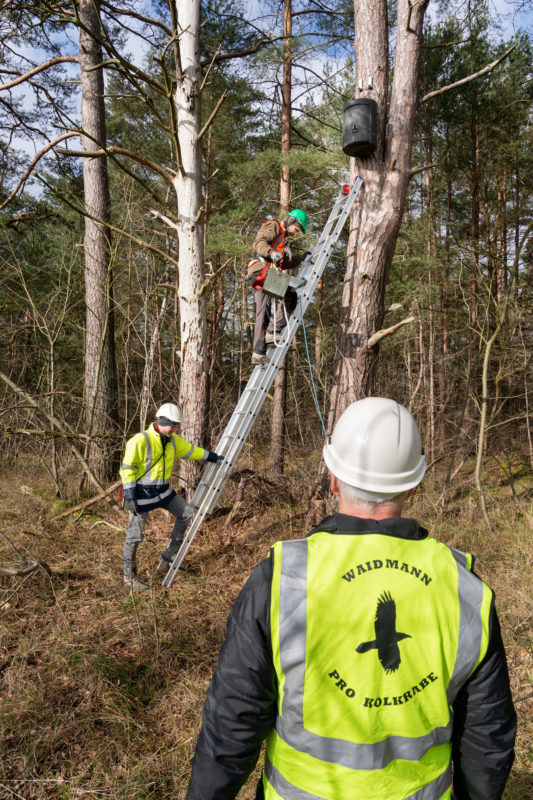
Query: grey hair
pixel 368 501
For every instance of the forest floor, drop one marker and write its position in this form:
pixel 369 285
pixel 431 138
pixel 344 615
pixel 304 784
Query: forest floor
pixel 101 691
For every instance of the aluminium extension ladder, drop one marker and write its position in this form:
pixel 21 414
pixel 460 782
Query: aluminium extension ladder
pixel 262 377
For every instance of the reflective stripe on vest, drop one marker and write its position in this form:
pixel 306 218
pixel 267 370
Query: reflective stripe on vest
pixel 146 479
pixel 149 501
pixel 437 789
pixel 470 626
pixel 290 645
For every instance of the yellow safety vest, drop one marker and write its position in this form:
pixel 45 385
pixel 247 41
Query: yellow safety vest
pixel 372 638
pixel 144 465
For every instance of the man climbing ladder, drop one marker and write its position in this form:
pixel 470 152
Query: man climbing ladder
pixel 253 396
pixel 271 248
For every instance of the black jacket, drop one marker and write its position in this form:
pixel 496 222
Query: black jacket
pixel 240 708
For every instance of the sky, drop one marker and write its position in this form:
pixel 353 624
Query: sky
pixel 512 15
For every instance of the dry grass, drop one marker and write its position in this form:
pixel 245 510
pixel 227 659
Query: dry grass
pixel 102 691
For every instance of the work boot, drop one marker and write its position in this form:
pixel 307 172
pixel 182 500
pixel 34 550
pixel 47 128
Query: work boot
pixel 164 566
pixel 258 358
pixel 270 338
pixel 133 582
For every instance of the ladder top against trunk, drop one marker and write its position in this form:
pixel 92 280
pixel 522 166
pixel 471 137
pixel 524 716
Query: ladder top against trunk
pixel 251 400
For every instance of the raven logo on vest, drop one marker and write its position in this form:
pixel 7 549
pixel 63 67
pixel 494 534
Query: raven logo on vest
pixel 387 637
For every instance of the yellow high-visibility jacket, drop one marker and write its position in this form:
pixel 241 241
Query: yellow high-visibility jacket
pixel 372 637
pixel 147 466
pixel 370 657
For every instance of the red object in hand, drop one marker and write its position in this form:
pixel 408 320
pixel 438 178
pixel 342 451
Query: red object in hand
pixel 346 188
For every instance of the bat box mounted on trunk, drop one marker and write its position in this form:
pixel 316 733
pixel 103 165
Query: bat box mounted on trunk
pixel 359 130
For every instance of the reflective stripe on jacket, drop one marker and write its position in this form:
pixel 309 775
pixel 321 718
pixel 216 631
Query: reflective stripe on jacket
pixel 372 638
pixel 147 466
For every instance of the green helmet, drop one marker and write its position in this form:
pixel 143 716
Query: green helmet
pixel 301 216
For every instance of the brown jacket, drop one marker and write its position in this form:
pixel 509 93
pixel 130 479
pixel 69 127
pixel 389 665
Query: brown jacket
pixel 265 236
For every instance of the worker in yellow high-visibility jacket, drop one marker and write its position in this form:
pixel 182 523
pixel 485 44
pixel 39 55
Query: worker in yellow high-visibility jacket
pixel 367 654
pixel 145 471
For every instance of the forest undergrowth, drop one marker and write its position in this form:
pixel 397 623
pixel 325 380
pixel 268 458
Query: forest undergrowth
pixel 101 691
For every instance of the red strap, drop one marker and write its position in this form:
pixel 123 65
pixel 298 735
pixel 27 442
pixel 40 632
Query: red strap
pixel 258 283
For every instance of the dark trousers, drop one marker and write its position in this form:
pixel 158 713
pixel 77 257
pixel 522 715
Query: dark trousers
pixel 263 316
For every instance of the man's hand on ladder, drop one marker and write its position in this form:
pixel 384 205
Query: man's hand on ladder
pixel 214 458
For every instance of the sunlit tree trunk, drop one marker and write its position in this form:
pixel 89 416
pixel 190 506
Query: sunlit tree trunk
pixel 100 364
pixel 193 396
pixel 378 211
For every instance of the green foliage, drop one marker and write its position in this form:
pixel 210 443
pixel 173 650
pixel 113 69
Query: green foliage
pixel 41 239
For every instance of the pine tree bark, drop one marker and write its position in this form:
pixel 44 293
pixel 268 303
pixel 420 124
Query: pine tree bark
pixel 377 215
pixel 101 401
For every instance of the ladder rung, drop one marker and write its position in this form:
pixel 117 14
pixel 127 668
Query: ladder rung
pixel 253 395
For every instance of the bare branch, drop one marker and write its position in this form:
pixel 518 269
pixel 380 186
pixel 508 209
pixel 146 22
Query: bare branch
pixel 41 432
pixel 13 572
pixel 112 9
pixel 208 70
pixel 468 79
pixel 250 51
pixel 387 332
pixel 113 228
pixel 87 503
pixel 56 423
pixel 211 278
pixel 40 68
pixel 164 219
pixel 28 172
pixel 213 113
pixel 416 170
pixel 120 151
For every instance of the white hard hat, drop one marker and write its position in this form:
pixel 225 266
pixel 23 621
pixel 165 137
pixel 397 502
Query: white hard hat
pixel 376 447
pixel 170 412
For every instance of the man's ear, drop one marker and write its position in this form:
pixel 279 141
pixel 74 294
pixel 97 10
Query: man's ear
pixel 335 485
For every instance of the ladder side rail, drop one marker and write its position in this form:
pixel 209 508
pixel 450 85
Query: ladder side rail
pixel 230 446
pixel 212 489
pixel 241 432
pixel 243 414
pixel 252 398
pixel 341 209
pixel 341 201
pixel 206 496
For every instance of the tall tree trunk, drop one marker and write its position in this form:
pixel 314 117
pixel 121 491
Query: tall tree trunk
pixel 101 402
pixel 444 301
pixel 432 259
pixel 377 215
pixel 277 430
pixel 474 257
pixel 193 395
